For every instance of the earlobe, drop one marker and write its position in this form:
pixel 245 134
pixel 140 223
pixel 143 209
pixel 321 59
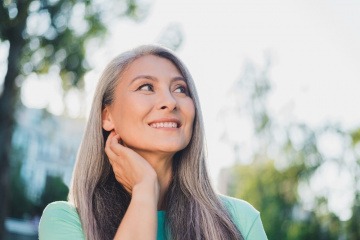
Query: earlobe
pixel 107 122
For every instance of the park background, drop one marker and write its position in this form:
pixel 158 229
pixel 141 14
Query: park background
pixel 278 82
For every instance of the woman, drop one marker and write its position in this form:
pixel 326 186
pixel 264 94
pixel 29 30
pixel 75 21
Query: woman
pixel 140 171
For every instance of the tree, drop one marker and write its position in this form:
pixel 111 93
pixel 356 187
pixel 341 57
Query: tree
pixel 275 193
pixel 55 190
pixel 353 229
pixel 42 35
pixel 285 159
pixel 19 202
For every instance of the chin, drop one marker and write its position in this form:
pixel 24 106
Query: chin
pixel 163 148
pixel 170 149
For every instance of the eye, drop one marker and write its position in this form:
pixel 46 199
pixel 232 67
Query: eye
pixel 181 89
pixel 146 87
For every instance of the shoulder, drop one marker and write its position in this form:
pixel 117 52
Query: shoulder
pixel 60 206
pixel 245 217
pixel 60 220
pixel 235 205
pixel 60 210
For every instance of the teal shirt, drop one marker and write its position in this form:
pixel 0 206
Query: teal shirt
pixel 60 221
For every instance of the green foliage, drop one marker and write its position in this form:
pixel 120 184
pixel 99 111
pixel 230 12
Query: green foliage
pixel 353 229
pixel 274 193
pixel 56 33
pixel 285 158
pixel 271 191
pixel 55 190
pixel 355 136
pixel 19 203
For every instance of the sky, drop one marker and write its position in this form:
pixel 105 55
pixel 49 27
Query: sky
pixel 313 45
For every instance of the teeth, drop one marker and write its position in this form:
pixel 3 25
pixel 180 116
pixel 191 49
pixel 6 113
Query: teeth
pixel 164 125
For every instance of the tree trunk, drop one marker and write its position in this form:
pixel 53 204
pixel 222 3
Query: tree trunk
pixel 8 101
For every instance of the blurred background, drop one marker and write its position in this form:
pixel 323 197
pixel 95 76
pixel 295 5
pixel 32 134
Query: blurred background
pixel 278 81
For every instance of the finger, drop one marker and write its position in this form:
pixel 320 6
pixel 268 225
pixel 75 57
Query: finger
pixel 111 155
pixel 109 152
pixel 111 135
pixel 128 188
pixel 108 140
pixel 115 146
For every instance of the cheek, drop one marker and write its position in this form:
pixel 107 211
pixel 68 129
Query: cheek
pixel 190 113
pixel 126 119
pixel 131 114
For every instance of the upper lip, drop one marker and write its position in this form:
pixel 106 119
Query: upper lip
pixel 161 120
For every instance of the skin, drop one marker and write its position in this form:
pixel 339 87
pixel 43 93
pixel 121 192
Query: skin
pixel 150 90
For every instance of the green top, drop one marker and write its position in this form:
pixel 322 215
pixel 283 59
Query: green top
pixel 60 221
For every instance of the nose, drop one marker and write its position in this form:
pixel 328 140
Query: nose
pixel 167 101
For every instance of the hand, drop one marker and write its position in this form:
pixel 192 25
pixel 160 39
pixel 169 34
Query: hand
pixel 130 168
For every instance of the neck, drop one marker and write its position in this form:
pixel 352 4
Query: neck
pixel 162 164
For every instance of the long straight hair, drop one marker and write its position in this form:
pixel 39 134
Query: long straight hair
pixel 193 209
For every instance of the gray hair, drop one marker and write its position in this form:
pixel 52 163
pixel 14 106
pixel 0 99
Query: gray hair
pixel 102 202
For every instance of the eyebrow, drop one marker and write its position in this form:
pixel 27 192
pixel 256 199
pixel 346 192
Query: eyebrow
pixel 152 78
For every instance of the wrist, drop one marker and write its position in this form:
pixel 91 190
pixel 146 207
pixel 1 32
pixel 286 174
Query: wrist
pixel 147 190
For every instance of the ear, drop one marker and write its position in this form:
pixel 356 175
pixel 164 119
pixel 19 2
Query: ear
pixel 107 122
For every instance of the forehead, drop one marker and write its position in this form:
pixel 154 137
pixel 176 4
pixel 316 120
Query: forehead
pixel 151 65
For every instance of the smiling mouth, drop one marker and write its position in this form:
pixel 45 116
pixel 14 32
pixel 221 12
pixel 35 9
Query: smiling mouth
pixel 164 125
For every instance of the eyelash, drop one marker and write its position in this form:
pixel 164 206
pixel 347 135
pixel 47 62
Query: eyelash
pixel 183 89
pixel 151 88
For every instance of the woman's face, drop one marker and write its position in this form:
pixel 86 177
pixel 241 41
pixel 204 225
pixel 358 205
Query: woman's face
pixel 152 110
